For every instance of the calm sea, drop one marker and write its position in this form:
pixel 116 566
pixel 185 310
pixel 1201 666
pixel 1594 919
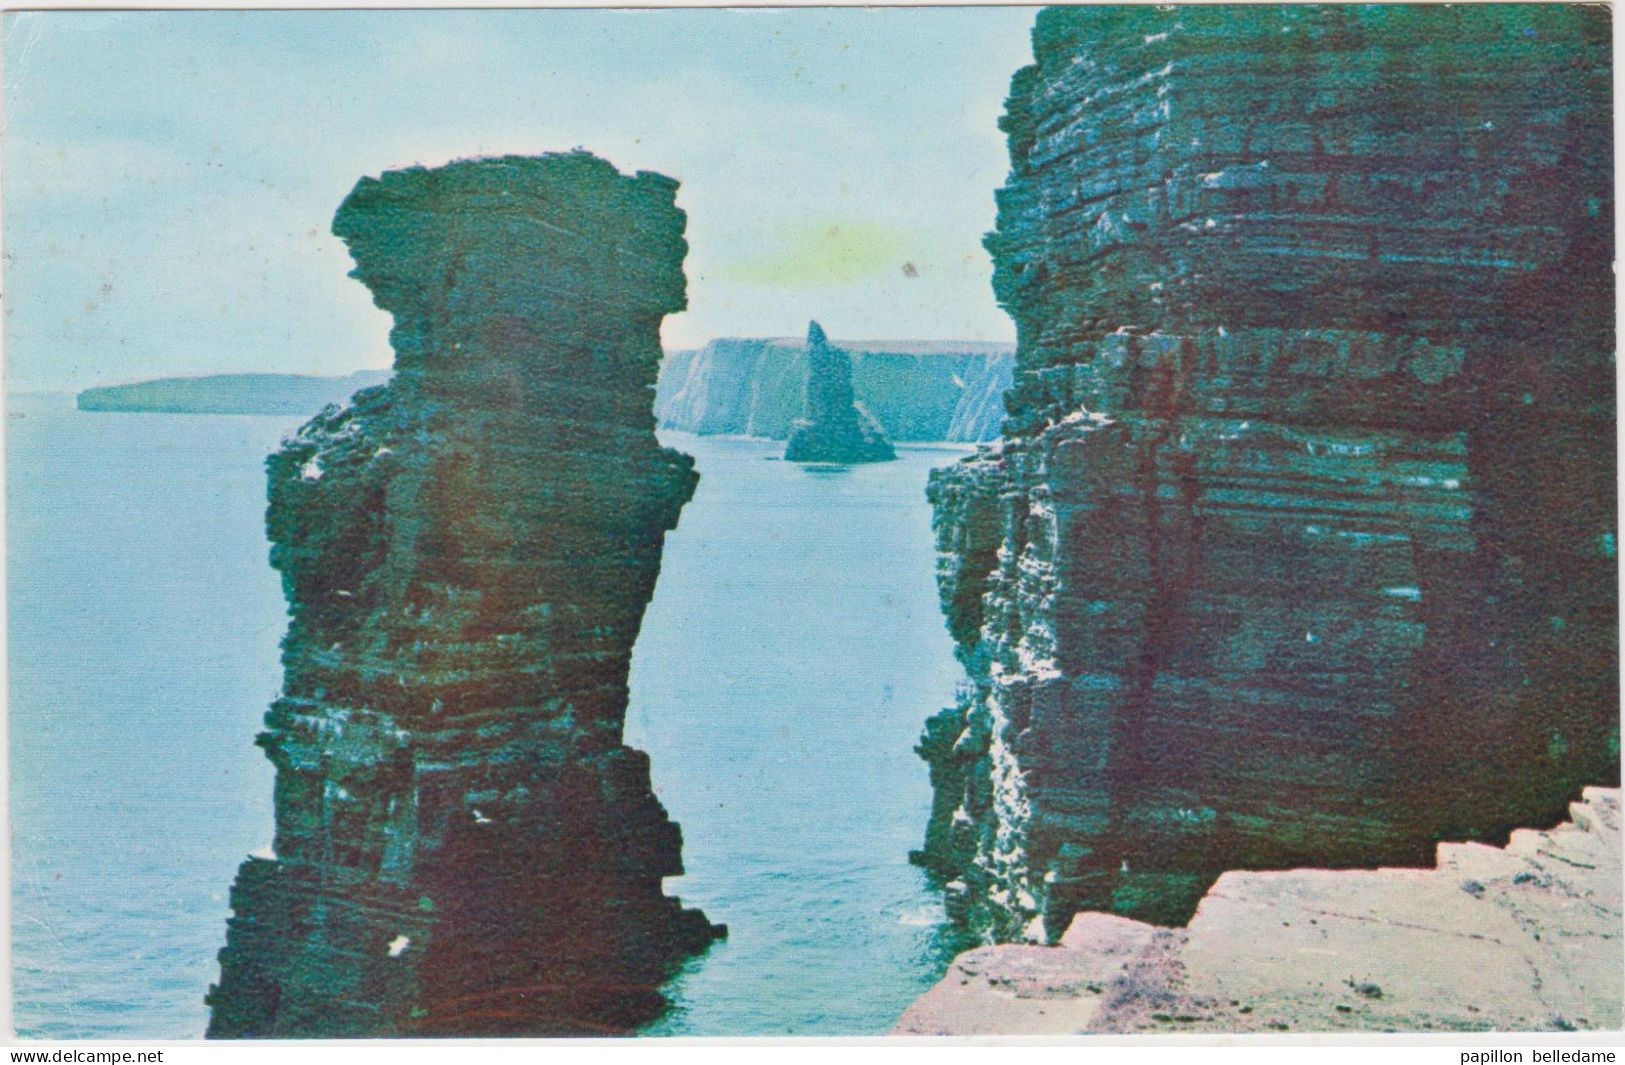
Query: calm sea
pixel 793 648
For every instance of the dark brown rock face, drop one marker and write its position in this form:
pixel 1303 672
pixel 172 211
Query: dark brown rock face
pixel 1299 545
pixel 463 843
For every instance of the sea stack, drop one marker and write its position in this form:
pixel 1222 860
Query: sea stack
pixel 1299 545
pixel 464 845
pixel 916 390
pixel 836 429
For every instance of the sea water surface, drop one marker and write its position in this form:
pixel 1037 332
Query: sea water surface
pixel 143 622
pixel 790 656
pixel 785 668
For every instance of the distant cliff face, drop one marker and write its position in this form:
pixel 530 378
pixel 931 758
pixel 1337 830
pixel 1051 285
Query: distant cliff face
pixel 836 427
pixel 926 390
pixel 1299 545
pixel 464 845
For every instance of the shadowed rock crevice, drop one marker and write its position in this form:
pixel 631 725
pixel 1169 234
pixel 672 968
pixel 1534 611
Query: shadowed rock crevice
pixel 463 843
pixel 1299 545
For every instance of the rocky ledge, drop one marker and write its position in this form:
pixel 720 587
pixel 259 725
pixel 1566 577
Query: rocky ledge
pixel 837 429
pixel 1526 938
pixel 464 845
pixel 1299 546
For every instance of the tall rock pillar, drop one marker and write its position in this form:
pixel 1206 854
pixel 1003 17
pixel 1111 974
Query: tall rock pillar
pixel 464 844
pixel 837 428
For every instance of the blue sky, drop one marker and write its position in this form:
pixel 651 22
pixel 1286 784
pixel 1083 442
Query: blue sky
pixel 170 177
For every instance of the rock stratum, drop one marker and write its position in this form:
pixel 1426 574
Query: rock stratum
pixel 837 428
pixel 464 845
pixel 1521 939
pixel 927 390
pixel 1299 545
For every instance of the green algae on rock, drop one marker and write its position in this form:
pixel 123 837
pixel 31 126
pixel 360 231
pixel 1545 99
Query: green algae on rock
pixel 1298 548
pixel 837 429
pixel 464 845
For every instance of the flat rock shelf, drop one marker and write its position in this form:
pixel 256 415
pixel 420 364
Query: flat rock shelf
pixel 1522 938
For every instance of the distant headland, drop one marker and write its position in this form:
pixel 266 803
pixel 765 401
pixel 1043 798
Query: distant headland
pixel 234 393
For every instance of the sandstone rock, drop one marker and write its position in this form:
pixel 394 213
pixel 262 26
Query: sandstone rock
pixel 463 843
pixel 1298 548
pixel 1536 948
pixel 837 429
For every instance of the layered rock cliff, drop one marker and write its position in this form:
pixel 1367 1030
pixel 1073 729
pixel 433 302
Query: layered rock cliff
pixel 1298 548
pixel 836 428
pixel 463 843
pixel 916 390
